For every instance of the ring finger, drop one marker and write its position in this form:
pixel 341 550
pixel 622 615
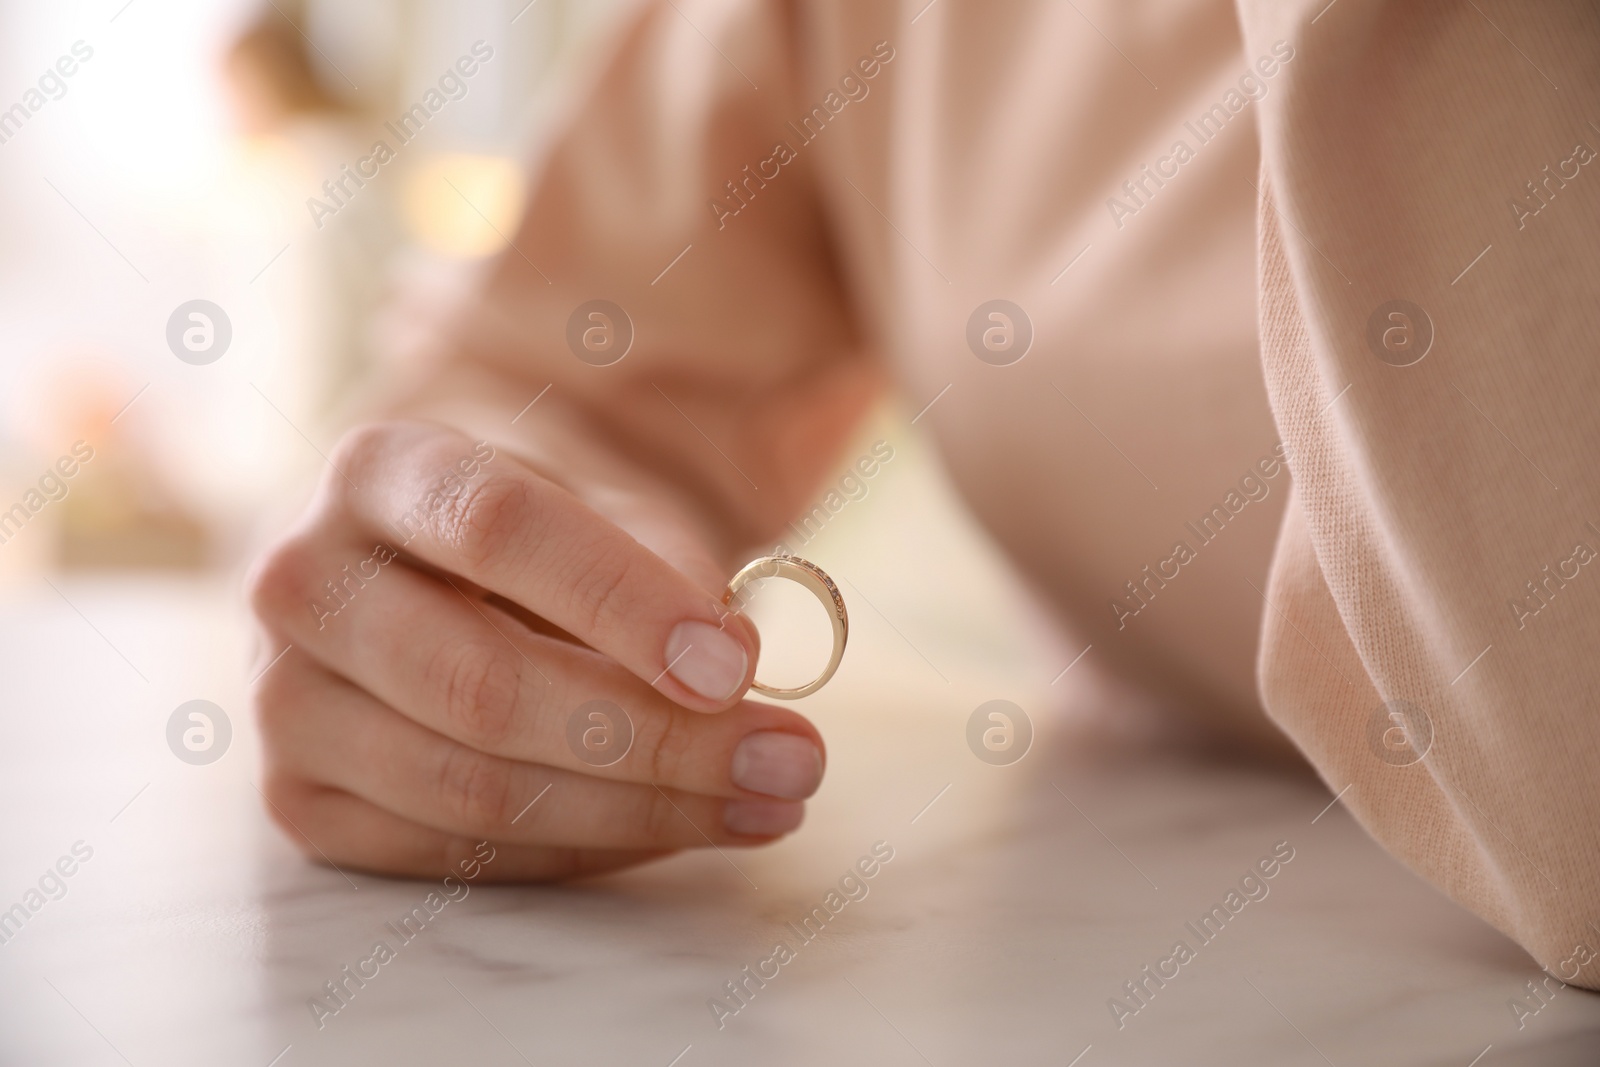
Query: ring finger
pixel 353 742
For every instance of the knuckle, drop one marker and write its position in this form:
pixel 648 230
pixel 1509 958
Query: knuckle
pixel 600 593
pixel 474 788
pixel 665 747
pixel 281 579
pixel 481 690
pixel 360 450
pixel 488 517
pixel 660 820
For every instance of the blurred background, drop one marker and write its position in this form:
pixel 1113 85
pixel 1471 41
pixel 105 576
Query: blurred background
pixel 158 153
pixel 174 163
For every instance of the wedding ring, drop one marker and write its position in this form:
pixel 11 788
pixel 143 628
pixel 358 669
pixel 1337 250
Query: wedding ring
pixel 821 586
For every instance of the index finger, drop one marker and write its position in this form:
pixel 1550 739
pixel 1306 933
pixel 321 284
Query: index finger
pixel 509 530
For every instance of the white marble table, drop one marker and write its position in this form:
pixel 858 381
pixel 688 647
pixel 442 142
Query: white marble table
pixel 1016 904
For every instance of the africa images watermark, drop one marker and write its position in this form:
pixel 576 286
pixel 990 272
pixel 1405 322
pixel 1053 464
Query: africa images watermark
pixel 741 990
pixel 1540 591
pixel 452 86
pixel 1141 190
pixel 52 885
pixel 853 88
pixel 1542 992
pixel 1255 485
pixel 52 487
pixel 1253 887
pixel 52 85
pixel 340 990
pixel 999 732
pixel 1541 192
pixel 851 487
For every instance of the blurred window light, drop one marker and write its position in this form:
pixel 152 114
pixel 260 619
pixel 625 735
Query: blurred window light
pixel 462 205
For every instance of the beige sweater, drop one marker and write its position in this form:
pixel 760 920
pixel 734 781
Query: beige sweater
pixel 1232 233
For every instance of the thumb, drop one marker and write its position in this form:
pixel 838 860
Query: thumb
pixel 684 541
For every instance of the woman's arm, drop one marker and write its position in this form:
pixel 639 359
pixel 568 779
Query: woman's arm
pixel 1430 198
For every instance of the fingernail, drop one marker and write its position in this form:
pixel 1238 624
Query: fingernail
pixel 777 764
pixel 761 818
pixel 708 660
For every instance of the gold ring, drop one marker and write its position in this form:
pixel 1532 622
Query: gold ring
pixel 821 586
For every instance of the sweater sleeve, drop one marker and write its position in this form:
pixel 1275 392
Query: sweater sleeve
pixel 1430 196
pixel 672 282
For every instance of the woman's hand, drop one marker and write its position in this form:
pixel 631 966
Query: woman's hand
pixel 434 600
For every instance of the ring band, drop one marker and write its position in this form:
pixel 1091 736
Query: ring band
pixel 821 586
